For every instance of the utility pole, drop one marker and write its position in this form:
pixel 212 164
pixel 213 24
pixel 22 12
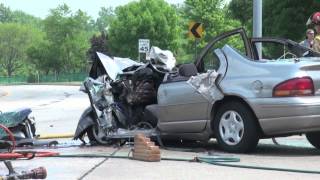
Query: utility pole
pixel 257 22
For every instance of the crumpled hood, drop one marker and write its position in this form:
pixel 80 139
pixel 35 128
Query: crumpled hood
pixel 114 66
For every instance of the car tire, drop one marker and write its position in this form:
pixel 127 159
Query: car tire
pixel 235 128
pixel 93 137
pixel 313 138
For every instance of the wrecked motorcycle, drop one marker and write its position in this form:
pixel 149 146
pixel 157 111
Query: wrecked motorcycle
pixel 118 99
pixel 20 123
pixel 22 126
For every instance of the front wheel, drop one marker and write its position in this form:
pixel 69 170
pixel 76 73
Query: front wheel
pixel 235 128
pixel 313 138
pixel 97 136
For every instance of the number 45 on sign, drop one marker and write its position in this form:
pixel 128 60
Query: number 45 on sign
pixel 144 45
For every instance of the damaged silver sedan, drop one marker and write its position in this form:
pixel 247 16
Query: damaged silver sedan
pixel 231 93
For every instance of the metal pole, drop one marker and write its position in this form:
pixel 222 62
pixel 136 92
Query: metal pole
pixel 195 47
pixel 257 22
pixel 38 77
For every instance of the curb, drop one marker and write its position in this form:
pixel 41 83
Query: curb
pixel 56 136
pixel 40 84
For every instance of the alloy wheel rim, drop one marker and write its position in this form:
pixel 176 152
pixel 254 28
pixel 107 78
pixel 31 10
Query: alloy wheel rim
pixel 231 127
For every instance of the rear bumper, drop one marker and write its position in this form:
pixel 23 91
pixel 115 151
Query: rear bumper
pixel 291 115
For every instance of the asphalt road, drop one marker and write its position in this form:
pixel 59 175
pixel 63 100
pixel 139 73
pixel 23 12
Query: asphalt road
pixel 58 108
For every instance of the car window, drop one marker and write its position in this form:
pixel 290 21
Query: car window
pixel 211 61
pixel 274 50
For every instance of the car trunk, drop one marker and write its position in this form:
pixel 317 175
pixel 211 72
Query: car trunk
pixel 312 69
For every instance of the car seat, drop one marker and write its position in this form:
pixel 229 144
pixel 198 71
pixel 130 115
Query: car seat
pixel 188 70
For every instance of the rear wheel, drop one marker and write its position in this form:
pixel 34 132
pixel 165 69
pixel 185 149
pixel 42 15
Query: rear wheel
pixel 235 128
pixel 313 138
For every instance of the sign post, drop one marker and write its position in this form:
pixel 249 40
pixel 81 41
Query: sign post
pixel 195 31
pixel 144 47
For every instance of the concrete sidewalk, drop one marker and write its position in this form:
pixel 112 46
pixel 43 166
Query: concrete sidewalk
pixel 114 168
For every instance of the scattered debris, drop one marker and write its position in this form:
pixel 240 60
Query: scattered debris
pixel 37 173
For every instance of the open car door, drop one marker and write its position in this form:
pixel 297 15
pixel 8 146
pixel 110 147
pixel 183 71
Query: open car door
pixel 236 38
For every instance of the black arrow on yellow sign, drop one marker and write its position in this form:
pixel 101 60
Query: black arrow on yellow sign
pixel 195 29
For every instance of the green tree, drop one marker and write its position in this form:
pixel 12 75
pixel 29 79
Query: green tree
pixel 213 15
pixel 99 43
pixel 23 18
pixel 42 57
pixel 5 14
pixel 287 18
pixel 67 37
pixel 280 18
pixel 106 15
pixel 8 16
pixel 183 54
pixel 15 39
pixel 146 19
pixel 242 10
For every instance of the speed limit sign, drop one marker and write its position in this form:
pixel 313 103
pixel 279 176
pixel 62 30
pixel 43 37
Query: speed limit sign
pixel 144 45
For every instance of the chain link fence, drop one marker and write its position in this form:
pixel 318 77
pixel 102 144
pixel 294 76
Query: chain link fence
pixel 54 78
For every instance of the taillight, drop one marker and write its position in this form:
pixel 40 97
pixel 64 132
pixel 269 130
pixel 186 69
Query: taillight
pixel 294 87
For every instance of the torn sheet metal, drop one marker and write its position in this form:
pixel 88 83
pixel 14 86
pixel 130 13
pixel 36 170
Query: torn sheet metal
pixel 205 84
pixel 116 65
pixel 164 57
pixel 109 65
pixel 124 63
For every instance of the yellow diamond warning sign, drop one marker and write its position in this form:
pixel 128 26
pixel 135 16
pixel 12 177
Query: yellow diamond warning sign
pixel 195 29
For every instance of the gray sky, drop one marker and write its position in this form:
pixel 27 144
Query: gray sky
pixel 40 8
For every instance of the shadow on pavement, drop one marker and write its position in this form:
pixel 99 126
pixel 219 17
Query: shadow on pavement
pixel 285 150
pixel 212 148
